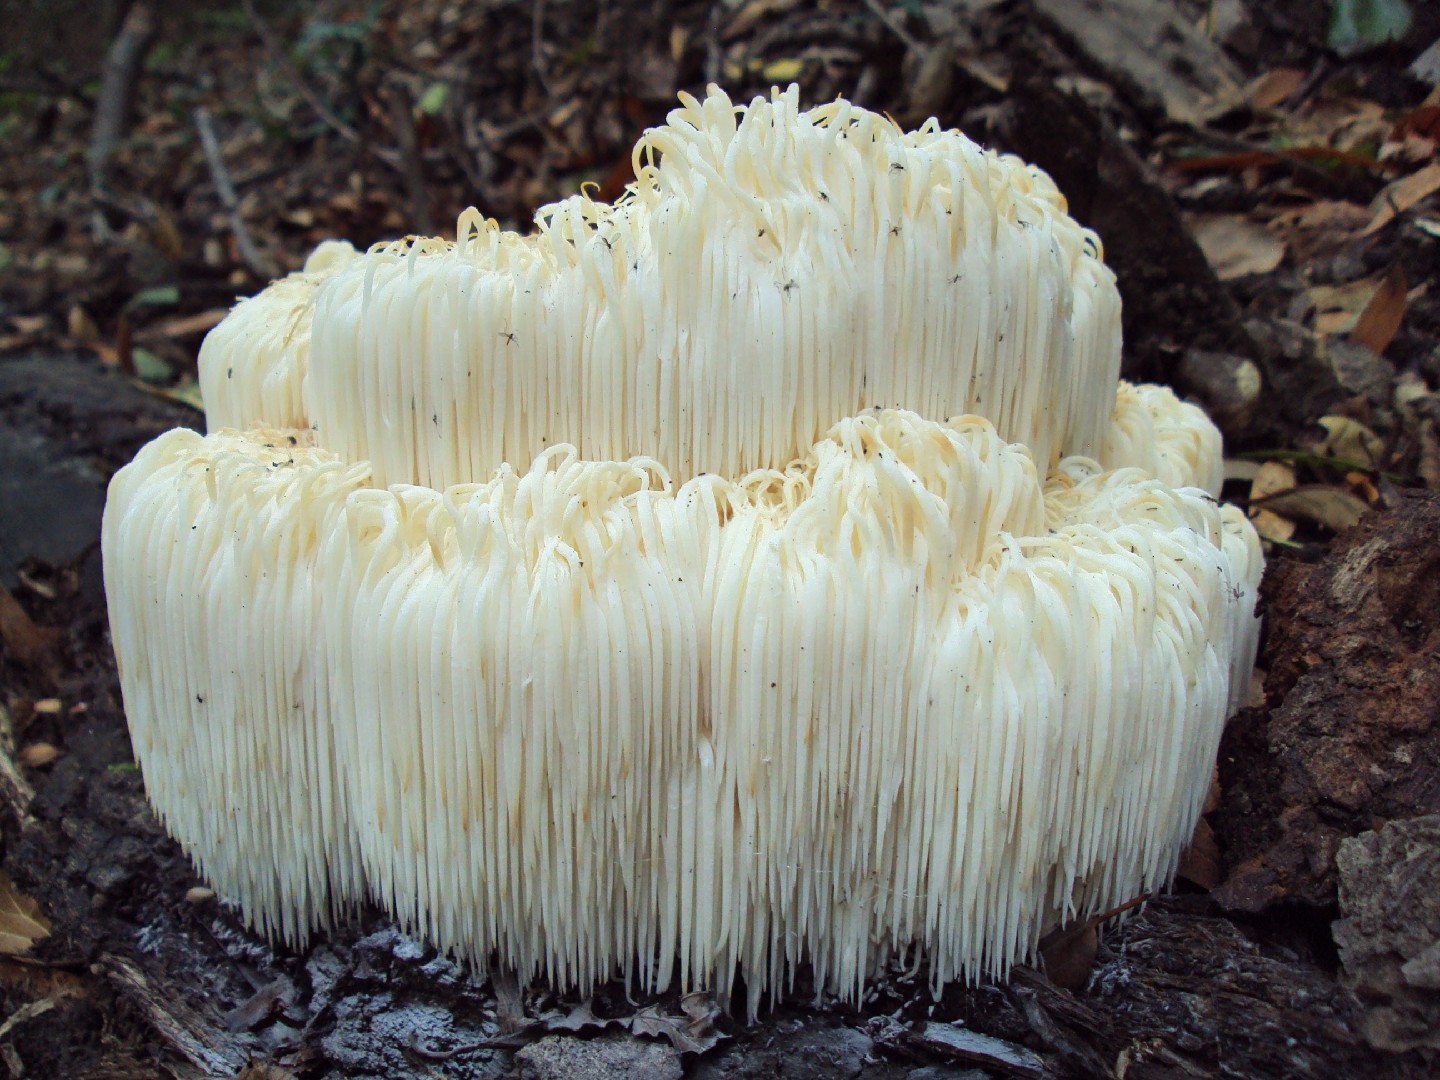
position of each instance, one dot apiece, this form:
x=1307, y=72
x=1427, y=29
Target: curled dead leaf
x=32, y=645
x=1201, y=863
x=1404, y=193
x=1350, y=440
x=1380, y=320
x=37, y=754
x=21, y=923
x=1236, y=246
x=1321, y=504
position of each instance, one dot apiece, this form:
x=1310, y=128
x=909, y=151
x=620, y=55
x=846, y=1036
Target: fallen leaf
x=32, y=645
x=1334, y=508
x=1319, y=228
x=80, y=326
x=1423, y=121
x=29, y=324
x=581, y=1018
x=21, y=923
x=996, y=1055
x=1350, y=440
x=1236, y=246
x=1378, y=323
x=183, y=325
x=38, y=754
x=1272, y=526
x=1069, y=951
x=1241, y=469
x=1201, y=864
x=186, y=392
x=35, y=979
x=782, y=71
x=1429, y=464
x=25, y=1012
x=1271, y=477
x=1362, y=487
x=693, y=1033
x=1398, y=197
x=1274, y=87
x=1337, y=308
x=1069, y=955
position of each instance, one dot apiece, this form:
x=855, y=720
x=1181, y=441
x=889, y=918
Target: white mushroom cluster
x=766, y=569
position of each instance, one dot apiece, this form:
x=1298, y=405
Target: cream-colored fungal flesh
x=1172, y=440
x=590, y=720
x=252, y=366
x=621, y=595
x=769, y=271
x=209, y=547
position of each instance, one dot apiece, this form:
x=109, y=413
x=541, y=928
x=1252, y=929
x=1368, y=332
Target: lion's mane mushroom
x=590, y=616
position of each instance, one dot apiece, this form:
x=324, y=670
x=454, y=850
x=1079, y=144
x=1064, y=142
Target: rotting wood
x=184, y=1030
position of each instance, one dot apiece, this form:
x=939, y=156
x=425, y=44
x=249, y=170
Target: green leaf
x=155, y=296
x=433, y=100
x=1359, y=24
x=186, y=393
x=150, y=367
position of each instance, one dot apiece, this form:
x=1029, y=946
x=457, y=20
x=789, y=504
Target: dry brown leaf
x=1334, y=508
x=1337, y=308
x=1319, y=228
x=38, y=754
x=37, y=980
x=1069, y=951
x=1350, y=440
x=1235, y=246
x=1362, y=487
x=1272, y=477
x=1201, y=864
x=21, y=923
x=1274, y=87
x=1241, y=469
x=80, y=326
x=1401, y=195
x=1069, y=955
x=31, y=645
x=1378, y=323
x=183, y=325
x=693, y=1033
x=1429, y=464
x=1272, y=526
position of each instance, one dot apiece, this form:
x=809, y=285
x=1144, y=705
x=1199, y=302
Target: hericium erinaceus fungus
x=768, y=568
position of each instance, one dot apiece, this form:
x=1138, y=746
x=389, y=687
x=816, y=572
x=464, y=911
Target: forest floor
x=1271, y=205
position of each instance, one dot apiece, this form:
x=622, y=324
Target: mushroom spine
x=767, y=568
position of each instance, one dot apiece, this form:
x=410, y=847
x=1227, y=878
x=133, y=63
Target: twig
x=117, y=90
x=14, y=788
x=199, y=1041
x=417, y=1045
x=713, y=57
x=403, y=121
x=340, y=127
x=258, y=264
x=537, y=42
x=26, y=1012
x=883, y=14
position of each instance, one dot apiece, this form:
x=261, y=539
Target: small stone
x=622, y=1057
